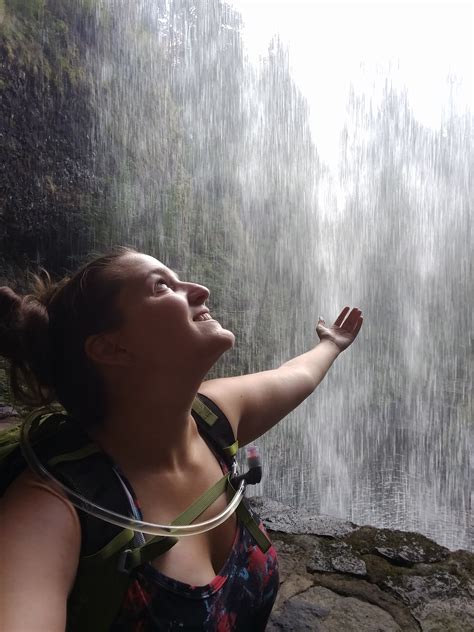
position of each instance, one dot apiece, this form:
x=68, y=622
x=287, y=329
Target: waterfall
x=281, y=237
x=211, y=167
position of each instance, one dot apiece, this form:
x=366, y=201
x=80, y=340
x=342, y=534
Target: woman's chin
x=220, y=340
x=229, y=337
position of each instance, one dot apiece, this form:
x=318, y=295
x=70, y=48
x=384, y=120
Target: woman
x=125, y=346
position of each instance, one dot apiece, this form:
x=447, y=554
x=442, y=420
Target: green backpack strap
x=217, y=428
x=103, y=579
x=105, y=574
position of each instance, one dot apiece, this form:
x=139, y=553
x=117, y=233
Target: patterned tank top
x=239, y=599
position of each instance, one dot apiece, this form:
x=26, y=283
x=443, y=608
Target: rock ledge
x=337, y=576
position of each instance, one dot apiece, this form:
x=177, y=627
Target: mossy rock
x=399, y=547
x=379, y=569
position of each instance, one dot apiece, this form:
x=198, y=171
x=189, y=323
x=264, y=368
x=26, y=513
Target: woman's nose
x=197, y=294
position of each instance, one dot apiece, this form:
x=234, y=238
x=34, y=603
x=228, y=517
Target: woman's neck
x=149, y=427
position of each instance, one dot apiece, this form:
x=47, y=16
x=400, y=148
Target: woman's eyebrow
x=162, y=271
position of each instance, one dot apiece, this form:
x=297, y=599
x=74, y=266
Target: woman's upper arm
x=254, y=403
x=40, y=541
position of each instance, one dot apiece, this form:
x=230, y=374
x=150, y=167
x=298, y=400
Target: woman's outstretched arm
x=256, y=402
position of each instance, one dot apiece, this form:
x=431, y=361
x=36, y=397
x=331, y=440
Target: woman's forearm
x=313, y=365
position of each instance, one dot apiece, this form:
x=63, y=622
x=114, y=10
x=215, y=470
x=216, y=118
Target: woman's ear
x=105, y=349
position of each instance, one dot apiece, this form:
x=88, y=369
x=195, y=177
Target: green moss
x=26, y=8
x=368, y=539
x=378, y=569
x=23, y=39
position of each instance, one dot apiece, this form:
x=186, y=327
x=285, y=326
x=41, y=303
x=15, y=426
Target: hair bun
x=8, y=300
x=24, y=341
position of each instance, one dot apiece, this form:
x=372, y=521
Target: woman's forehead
x=137, y=268
x=137, y=265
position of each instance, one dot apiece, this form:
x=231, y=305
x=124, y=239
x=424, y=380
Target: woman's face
x=166, y=323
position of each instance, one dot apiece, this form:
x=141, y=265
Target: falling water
x=212, y=168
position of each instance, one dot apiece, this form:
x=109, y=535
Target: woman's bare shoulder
x=34, y=514
x=40, y=540
x=33, y=496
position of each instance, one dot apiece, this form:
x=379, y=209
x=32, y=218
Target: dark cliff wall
x=48, y=182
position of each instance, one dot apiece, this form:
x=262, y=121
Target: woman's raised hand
x=344, y=331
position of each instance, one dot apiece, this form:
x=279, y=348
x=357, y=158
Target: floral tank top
x=239, y=599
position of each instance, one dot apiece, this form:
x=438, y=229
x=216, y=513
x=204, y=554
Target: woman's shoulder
x=35, y=505
x=39, y=547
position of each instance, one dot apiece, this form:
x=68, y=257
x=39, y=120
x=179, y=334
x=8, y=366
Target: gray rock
x=365, y=579
x=454, y=615
x=440, y=601
x=321, y=610
x=399, y=547
x=335, y=556
x=279, y=517
x=298, y=614
x=415, y=590
x=412, y=553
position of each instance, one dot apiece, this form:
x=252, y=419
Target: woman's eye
x=160, y=285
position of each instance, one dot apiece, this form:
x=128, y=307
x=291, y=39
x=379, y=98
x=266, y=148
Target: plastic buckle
x=235, y=469
x=123, y=561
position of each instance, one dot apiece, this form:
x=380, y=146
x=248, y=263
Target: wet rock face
x=335, y=556
x=332, y=614
x=285, y=519
x=398, y=547
x=298, y=614
x=340, y=577
x=48, y=191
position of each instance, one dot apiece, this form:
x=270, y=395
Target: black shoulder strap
x=217, y=428
x=68, y=452
x=94, y=478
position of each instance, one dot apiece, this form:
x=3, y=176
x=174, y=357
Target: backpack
x=109, y=553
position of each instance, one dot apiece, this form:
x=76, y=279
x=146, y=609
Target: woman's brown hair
x=43, y=336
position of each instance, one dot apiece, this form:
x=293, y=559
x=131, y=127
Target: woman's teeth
x=204, y=317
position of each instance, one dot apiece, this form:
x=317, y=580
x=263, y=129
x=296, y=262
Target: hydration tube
x=127, y=522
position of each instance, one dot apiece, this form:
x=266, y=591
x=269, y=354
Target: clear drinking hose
x=127, y=522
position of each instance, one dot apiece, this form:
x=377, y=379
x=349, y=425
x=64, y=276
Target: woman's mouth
x=203, y=316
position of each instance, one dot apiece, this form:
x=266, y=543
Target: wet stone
x=321, y=610
x=399, y=547
x=279, y=517
x=335, y=556
x=409, y=555
x=417, y=589
x=298, y=614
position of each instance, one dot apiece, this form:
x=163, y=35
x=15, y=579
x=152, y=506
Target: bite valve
x=254, y=473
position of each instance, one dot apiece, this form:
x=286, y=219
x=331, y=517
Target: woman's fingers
x=341, y=317
x=351, y=320
x=357, y=327
x=351, y=324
